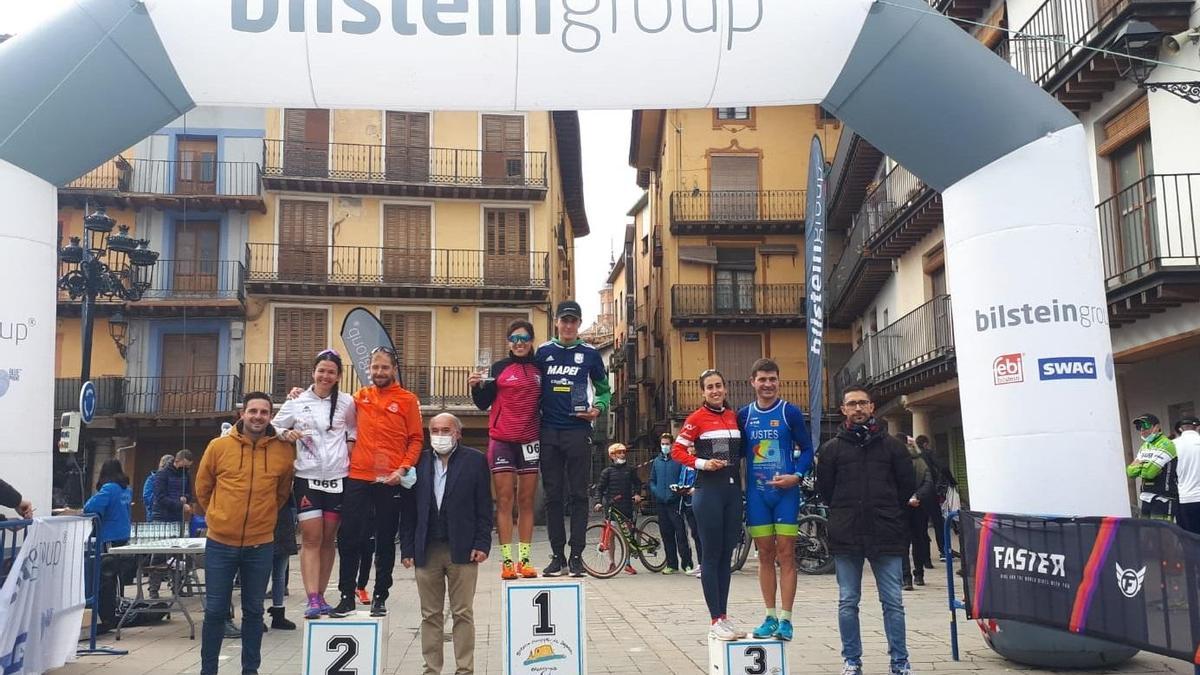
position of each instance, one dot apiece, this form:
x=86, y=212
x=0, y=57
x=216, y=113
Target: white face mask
x=618, y=461
x=441, y=444
x=666, y=449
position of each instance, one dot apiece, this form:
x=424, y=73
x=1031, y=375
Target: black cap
x=1189, y=422
x=568, y=308
x=1148, y=419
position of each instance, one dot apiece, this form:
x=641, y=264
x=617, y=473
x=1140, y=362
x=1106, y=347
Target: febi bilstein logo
x=1008, y=369
x=1067, y=368
x=1000, y=317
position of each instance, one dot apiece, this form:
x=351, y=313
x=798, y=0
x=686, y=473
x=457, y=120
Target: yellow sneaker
x=508, y=570
x=527, y=571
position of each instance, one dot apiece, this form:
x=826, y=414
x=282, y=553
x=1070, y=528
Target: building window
x=739, y=117
x=735, y=280
x=733, y=113
x=1132, y=209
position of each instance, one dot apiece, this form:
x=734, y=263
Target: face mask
x=666, y=449
x=618, y=461
x=441, y=444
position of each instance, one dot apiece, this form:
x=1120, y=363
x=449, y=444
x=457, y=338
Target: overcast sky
x=609, y=187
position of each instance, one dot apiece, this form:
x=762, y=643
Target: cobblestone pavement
x=648, y=623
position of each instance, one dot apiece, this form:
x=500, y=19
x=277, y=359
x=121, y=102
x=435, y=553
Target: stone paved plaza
x=646, y=623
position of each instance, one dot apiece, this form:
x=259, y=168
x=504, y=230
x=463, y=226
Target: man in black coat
x=866, y=477
x=446, y=538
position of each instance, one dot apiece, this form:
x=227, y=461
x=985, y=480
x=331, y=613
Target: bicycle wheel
x=605, y=552
x=742, y=550
x=648, y=543
x=812, y=546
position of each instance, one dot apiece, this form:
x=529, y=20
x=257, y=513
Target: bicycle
x=812, y=538
x=609, y=545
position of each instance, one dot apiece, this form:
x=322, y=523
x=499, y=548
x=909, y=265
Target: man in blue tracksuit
x=664, y=487
x=575, y=392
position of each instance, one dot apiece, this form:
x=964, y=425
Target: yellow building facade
x=718, y=252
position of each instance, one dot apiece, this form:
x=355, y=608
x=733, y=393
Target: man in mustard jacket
x=242, y=481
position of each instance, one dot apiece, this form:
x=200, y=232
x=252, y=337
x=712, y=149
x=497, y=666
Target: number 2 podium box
x=746, y=657
x=544, y=628
x=356, y=644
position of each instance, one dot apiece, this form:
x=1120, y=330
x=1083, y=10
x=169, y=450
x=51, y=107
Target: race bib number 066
x=333, y=486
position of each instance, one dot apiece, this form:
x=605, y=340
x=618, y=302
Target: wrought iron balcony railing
x=687, y=397
x=403, y=164
x=196, y=178
x=728, y=300
x=182, y=395
x=110, y=397
x=376, y=265
x=922, y=335
x=1151, y=226
x=435, y=386
x=738, y=206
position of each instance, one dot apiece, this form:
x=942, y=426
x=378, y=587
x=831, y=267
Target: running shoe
x=363, y=597
x=784, y=632
x=721, y=631
x=629, y=569
x=767, y=629
x=313, y=611
x=508, y=570
x=526, y=570
x=669, y=570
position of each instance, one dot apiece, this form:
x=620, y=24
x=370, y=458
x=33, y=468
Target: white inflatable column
x=28, y=265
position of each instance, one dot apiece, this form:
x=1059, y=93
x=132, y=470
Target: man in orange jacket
x=242, y=481
x=388, y=445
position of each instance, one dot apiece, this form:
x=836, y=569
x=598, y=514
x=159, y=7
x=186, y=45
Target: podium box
x=355, y=645
x=544, y=628
x=747, y=657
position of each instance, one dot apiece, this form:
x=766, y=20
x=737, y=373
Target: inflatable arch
x=1010, y=161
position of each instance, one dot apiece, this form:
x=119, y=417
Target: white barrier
x=544, y=628
x=356, y=644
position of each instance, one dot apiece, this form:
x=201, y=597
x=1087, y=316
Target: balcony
x=399, y=171
x=857, y=276
x=971, y=10
x=206, y=396
x=686, y=396
x=202, y=288
x=914, y=352
x=110, y=398
x=899, y=212
x=738, y=212
x=1150, y=235
x=168, y=184
x=374, y=271
x=1057, y=46
x=437, y=387
x=728, y=305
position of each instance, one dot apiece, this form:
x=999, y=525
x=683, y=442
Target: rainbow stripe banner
x=1125, y=580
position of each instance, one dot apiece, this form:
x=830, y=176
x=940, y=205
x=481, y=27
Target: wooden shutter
x=493, y=332
x=1127, y=125
x=196, y=168
x=189, y=373
x=412, y=334
x=506, y=247
x=407, y=155
x=504, y=149
x=306, y=142
x=195, y=267
x=300, y=334
x=303, y=240
x=735, y=354
x=734, y=183
x=406, y=238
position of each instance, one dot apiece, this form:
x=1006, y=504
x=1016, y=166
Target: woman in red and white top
x=513, y=391
x=711, y=443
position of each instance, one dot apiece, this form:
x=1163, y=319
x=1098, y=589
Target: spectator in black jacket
x=619, y=487
x=12, y=499
x=918, y=518
x=173, y=490
x=943, y=479
x=866, y=477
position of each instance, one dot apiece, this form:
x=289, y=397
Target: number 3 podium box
x=356, y=644
x=746, y=657
x=544, y=629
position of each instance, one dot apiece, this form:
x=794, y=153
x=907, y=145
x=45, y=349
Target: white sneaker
x=697, y=572
x=851, y=669
x=738, y=634
x=721, y=631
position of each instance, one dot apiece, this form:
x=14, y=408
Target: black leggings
x=717, y=504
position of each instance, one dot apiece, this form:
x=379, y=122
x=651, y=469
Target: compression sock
x=770, y=612
x=523, y=548
x=506, y=552
x=785, y=615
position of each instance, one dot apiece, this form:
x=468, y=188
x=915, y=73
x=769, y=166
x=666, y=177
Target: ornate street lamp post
x=112, y=266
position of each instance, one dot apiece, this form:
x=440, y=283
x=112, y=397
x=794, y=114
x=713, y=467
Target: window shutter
x=300, y=334
x=493, y=332
x=412, y=335
x=1126, y=126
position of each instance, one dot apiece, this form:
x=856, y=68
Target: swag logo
x=1130, y=581
x=1067, y=368
x=1008, y=369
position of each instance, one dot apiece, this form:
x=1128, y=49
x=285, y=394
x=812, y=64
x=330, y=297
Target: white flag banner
x=41, y=602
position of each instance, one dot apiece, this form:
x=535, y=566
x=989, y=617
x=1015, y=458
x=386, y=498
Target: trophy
x=579, y=397
x=483, y=365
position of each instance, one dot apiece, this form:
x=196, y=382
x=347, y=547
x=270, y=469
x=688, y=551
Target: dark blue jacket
x=112, y=504
x=664, y=472
x=467, y=503
x=169, y=485
x=566, y=368
x=148, y=495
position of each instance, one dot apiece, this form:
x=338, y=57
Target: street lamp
x=103, y=264
x=1136, y=48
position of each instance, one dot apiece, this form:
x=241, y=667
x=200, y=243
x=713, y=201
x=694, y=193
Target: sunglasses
x=328, y=352
x=1142, y=425
x=386, y=350
x=518, y=338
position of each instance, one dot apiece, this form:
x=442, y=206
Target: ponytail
x=333, y=401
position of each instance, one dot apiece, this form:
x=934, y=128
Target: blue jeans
x=221, y=564
x=279, y=578
x=887, y=570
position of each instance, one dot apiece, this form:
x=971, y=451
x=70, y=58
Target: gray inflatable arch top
x=1010, y=161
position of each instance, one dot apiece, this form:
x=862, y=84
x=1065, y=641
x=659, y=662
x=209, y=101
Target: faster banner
x=1124, y=580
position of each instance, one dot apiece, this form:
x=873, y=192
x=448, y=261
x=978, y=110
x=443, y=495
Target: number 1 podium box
x=544, y=628
x=355, y=644
x=746, y=657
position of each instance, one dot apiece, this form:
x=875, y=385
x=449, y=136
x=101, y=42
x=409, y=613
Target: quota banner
x=1120, y=579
